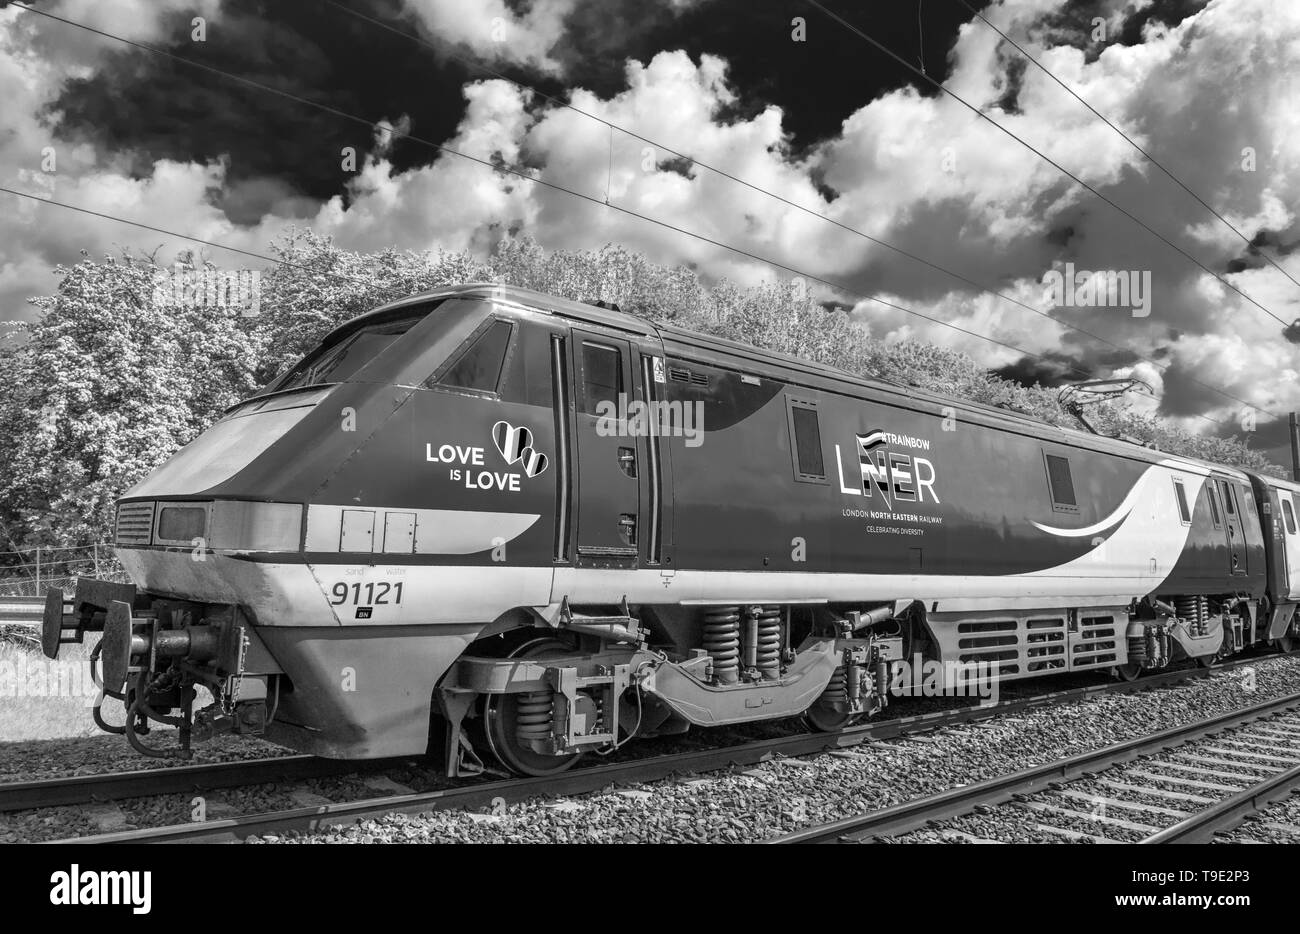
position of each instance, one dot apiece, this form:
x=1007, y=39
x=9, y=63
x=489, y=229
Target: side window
x=1061, y=483
x=1289, y=515
x=479, y=365
x=1213, y=496
x=602, y=375
x=1227, y=498
x=806, y=442
x=1180, y=494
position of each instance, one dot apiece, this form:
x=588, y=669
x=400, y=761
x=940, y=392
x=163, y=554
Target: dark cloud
x=1049, y=369
x=1074, y=24
x=1012, y=79
x=143, y=107
x=152, y=107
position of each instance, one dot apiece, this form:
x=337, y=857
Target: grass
x=42, y=699
x=49, y=703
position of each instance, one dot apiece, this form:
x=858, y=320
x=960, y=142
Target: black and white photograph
x=608, y=422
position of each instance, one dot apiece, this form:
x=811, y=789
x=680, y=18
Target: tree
x=110, y=383
x=112, y=380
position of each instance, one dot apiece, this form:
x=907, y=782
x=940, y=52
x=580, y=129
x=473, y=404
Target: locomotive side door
x=607, y=484
x=1237, y=560
x=1290, y=540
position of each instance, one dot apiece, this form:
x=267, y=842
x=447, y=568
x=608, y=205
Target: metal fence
x=29, y=573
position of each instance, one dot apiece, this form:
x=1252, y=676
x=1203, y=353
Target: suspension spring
x=766, y=621
x=837, y=690
x=1194, y=611
x=534, y=715
x=722, y=642
x=1137, y=650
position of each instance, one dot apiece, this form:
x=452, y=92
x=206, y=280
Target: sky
x=842, y=148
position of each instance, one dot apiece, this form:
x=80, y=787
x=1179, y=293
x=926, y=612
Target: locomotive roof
x=529, y=297
x=728, y=351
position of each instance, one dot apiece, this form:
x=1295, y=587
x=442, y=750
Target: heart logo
x=534, y=462
x=511, y=441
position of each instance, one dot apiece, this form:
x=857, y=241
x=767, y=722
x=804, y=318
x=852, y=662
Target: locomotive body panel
x=481, y=471
x=902, y=491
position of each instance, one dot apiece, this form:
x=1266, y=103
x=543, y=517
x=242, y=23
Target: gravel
x=740, y=805
x=1277, y=824
x=34, y=760
x=750, y=804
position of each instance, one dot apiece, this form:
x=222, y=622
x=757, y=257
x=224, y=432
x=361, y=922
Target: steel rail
x=1227, y=813
x=584, y=780
x=115, y=786
x=918, y=813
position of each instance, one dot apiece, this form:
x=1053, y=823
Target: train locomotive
x=506, y=529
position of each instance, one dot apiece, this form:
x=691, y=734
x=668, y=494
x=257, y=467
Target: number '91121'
x=376, y=593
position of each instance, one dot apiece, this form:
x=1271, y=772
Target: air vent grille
x=134, y=523
x=682, y=375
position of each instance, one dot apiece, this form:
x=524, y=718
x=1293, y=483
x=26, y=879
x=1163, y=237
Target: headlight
x=239, y=526
x=220, y=525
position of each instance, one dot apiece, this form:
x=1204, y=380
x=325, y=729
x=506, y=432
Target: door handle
x=627, y=528
x=627, y=461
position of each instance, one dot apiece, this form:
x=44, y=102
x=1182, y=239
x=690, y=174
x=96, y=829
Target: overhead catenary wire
x=377, y=127
x=1046, y=158
x=183, y=236
x=791, y=269
x=446, y=48
x=1150, y=158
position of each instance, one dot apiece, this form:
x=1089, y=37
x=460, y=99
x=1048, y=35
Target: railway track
x=118, y=786
x=1215, y=787
x=479, y=793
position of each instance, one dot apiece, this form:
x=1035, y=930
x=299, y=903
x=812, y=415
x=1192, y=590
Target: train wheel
x=827, y=720
x=1285, y=644
x=1209, y=661
x=822, y=715
x=502, y=715
x=1128, y=672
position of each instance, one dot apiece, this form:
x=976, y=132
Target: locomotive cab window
x=1061, y=483
x=1289, y=516
x=1180, y=494
x=806, y=442
x=478, y=366
x=1213, y=498
x=340, y=360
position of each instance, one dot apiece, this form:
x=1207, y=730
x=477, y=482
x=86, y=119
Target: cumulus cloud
x=36, y=57
x=534, y=34
x=1208, y=97
x=926, y=173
